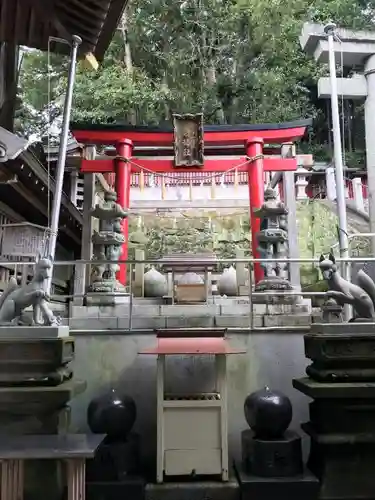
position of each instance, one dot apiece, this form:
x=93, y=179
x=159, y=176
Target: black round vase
x=268, y=413
x=112, y=414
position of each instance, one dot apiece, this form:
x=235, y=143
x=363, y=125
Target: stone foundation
x=150, y=314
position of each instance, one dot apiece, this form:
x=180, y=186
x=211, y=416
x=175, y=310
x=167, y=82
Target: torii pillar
x=254, y=149
x=357, y=48
x=124, y=149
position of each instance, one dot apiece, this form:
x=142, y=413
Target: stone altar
x=107, y=243
x=184, y=263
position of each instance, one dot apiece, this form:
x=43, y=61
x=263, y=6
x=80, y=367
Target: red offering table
x=192, y=429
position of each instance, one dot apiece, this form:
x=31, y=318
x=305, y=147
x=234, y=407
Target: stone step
x=197, y=490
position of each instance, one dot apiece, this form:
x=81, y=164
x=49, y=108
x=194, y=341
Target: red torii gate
x=126, y=139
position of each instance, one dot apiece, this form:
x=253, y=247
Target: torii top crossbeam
x=127, y=139
x=271, y=133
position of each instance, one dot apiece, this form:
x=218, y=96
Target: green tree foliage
x=235, y=60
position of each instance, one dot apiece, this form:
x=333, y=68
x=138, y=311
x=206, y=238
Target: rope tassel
x=141, y=180
x=236, y=179
x=213, y=188
x=163, y=188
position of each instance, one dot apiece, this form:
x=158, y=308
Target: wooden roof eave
x=30, y=23
x=39, y=171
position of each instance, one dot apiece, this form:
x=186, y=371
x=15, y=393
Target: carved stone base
x=269, y=286
x=35, y=361
x=109, y=299
x=341, y=356
x=109, y=293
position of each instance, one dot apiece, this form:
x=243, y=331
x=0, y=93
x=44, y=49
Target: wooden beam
x=40, y=206
x=40, y=172
x=162, y=165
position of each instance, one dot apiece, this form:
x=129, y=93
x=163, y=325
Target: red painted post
x=254, y=147
x=124, y=148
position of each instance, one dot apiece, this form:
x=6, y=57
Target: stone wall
x=112, y=360
x=223, y=230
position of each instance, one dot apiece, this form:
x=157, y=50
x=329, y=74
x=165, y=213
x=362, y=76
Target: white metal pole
x=60, y=168
x=329, y=29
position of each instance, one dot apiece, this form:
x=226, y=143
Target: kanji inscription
x=188, y=140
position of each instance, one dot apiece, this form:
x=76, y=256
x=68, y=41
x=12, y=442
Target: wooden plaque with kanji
x=188, y=140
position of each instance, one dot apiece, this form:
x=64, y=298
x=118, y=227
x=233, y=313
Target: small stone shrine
x=107, y=243
x=115, y=472
x=272, y=464
x=272, y=239
x=341, y=382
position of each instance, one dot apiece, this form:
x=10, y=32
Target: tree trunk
x=165, y=90
x=128, y=58
x=210, y=73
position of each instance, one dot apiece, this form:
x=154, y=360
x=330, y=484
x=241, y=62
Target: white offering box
x=192, y=430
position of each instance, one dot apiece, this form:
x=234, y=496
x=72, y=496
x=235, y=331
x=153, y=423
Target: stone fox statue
x=17, y=298
x=361, y=296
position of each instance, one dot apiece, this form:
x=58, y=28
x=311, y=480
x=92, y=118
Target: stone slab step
x=197, y=490
x=34, y=332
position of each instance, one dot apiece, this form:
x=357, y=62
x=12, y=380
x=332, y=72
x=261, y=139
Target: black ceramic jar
x=113, y=414
x=268, y=413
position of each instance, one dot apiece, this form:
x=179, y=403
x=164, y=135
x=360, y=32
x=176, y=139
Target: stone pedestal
x=114, y=472
x=107, y=298
x=35, y=389
x=281, y=457
x=270, y=286
x=302, y=487
x=340, y=357
x=342, y=425
x=32, y=362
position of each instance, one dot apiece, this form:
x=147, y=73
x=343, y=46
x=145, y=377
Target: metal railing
x=209, y=263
